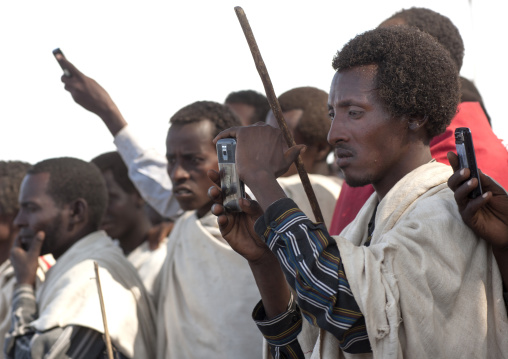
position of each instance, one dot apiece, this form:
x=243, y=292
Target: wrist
x=265, y=188
x=113, y=119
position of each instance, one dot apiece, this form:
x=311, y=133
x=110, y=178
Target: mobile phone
x=232, y=188
x=467, y=158
x=65, y=70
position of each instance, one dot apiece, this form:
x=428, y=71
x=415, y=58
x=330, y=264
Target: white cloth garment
x=69, y=296
x=7, y=283
x=326, y=188
x=427, y=286
x=207, y=294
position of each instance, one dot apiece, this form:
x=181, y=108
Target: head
x=306, y=113
x=63, y=197
x=250, y=106
x=435, y=24
x=394, y=90
x=11, y=175
x=191, y=153
x=126, y=209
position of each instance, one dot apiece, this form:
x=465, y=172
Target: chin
x=357, y=181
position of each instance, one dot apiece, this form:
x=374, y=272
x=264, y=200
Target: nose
x=337, y=132
x=19, y=220
x=177, y=172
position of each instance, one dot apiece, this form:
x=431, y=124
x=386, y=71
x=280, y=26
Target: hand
x=237, y=228
x=260, y=148
x=486, y=215
x=158, y=233
x=90, y=95
x=26, y=262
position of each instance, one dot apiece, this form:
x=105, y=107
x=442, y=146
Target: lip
x=344, y=157
x=182, y=192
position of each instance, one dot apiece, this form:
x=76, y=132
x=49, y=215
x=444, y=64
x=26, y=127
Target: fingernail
x=470, y=182
x=462, y=172
x=485, y=195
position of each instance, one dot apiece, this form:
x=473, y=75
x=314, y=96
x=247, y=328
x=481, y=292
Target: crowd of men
x=405, y=263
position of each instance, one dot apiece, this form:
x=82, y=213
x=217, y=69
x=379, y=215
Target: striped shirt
x=313, y=267
x=71, y=342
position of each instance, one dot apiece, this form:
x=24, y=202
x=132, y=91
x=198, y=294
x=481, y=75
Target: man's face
x=39, y=212
x=123, y=209
x=369, y=144
x=191, y=153
x=243, y=111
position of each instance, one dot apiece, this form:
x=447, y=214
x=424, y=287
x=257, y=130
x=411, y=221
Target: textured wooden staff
x=277, y=111
x=103, y=310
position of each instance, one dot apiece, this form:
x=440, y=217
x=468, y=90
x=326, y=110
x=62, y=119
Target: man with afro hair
x=250, y=106
x=490, y=152
x=407, y=278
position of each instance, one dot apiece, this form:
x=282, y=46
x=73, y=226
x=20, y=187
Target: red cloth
x=491, y=158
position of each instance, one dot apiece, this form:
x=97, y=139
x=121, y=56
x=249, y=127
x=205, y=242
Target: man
x=250, y=106
x=490, y=152
x=62, y=202
x=11, y=175
x=407, y=278
x=126, y=219
x=206, y=290
x=306, y=113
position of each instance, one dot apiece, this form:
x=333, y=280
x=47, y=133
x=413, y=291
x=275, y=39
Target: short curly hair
x=415, y=75
x=315, y=122
x=11, y=175
x=251, y=98
x=112, y=161
x=439, y=26
x=220, y=115
x=72, y=178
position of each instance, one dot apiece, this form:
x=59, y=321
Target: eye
x=331, y=114
x=171, y=160
x=355, y=114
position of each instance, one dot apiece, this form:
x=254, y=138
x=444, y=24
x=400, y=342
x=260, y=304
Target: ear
x=416, y=123
x=78, y=212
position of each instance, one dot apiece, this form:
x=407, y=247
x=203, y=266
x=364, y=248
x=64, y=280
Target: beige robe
x=428, y=287
x=207, y=296
x=69, y=296
x=326, y=188
x=148, y=263
x=7, y=283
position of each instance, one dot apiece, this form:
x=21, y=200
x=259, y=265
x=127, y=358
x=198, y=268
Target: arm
x=147, y=168
x=487, y=215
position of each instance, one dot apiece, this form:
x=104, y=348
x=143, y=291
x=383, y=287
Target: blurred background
x=155, y=57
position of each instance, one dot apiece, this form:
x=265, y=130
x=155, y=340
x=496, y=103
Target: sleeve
x=281, y=332
x=147, y=170
x=25, y=342
x=313, y=266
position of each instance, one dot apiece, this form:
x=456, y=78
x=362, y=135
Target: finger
x=229, y=133
x=454, y=161
x=214, y=176
x=218, y=209
x=458, y=178
x=474, y=205
x=250, y=207
x=292, y=154
x=67, y=64
x=462, y=192
x=215, y=194
x=36, y=245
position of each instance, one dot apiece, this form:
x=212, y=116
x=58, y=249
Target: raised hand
x=26, y=261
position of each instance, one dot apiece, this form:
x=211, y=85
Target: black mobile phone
x=232, y=188
x=65, y=71
x=467, y=158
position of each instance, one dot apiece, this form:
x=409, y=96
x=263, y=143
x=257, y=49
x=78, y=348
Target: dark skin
x=486, y=215
x=357, y=119
x=44, y=226
x=7, y=235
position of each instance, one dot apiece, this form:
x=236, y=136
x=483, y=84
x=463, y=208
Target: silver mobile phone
x=467, y=157
x=232, y=188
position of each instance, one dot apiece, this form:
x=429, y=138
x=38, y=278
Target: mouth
x=182, y=192
x=344, y=157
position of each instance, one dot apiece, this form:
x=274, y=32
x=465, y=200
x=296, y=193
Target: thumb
x=36, y=245
x=292, y=153
x=67, y=64
x=250, y=207
x=454, y=160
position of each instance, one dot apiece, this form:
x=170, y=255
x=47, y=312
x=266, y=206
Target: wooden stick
x=277, y=111
x=103, y=310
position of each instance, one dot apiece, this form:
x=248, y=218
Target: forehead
x=191, y=137
x=292, y=118
x=355, y=84
x=111, y=183
x=33, y=187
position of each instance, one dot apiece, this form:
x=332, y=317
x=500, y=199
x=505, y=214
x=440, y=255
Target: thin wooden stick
x=103, y=310
x=277, y=111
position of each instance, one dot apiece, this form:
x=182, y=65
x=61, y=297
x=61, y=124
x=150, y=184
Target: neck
x=136, y=236
x=415, y=158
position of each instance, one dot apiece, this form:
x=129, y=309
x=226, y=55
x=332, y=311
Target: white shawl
x=326, y=188
x=207, y=296
x=428, y=287
x=69, y=296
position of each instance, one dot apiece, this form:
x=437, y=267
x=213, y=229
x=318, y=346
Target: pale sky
x=155, y=57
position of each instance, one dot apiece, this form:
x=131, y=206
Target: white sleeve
x=147, y=170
